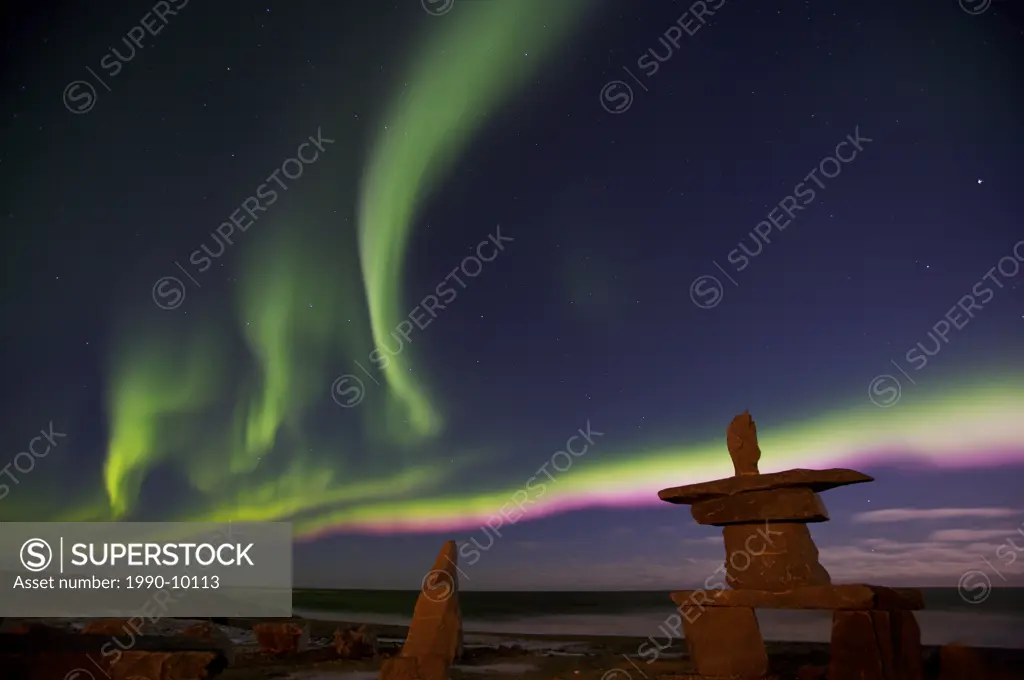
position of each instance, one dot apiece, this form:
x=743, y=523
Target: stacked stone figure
x=772, y=563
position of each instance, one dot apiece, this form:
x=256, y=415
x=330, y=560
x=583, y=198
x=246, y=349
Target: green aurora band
x=480, y=55
x=966, y=424
x=167, y=392
x=239, y=439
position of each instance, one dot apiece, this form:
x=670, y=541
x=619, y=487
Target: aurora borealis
x=488, y=117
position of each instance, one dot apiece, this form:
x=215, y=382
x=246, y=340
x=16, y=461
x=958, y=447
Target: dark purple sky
x=592, y=315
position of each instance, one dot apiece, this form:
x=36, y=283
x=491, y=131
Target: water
x=996, y=622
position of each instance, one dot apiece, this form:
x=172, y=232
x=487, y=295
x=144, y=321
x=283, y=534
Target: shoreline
x=989, y=630
x=503, y=656
x=544, y=656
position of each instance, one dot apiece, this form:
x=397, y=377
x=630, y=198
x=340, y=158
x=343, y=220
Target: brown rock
x=741, y=438
x=959, y=662
x=212, y=633
x=429, y=667
x=811, y=673
x=355, y=643
x=148, y=665
x=189, y=666
x=775, y=505
x=854, y=652
x=115, y=627
x=164, y=666
x=772, y=557
x=282, y=638
x=845, y=596
x=815, y=480
x=689, y=676
x=54, y=654
x=909, y=661
x=726, y=642
x=436, y=627
x=55, y=665
x=15, y=626
x=875, y=645
x=400, y=668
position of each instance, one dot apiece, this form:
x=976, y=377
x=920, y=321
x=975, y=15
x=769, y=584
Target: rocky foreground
x=302, y=649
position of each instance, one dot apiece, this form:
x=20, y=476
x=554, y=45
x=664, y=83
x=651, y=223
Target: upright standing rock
x=435, y=633
x=741, y=438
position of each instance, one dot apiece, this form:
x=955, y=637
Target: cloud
x=718, y=540
x=913, y=514
x=939, y=558
x=969, y=535
x=922, y=564
x=875, y=561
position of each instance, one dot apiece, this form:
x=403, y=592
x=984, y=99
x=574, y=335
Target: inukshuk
x=772, y=563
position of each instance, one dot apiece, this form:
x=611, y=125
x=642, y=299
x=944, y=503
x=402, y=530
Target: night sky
x=454, y=236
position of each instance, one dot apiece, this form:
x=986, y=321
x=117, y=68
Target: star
x=979, y=181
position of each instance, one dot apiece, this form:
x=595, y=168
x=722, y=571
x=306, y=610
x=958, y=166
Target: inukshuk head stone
x=741, y=438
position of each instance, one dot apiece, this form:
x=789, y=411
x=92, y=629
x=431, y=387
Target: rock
x=116, y=627
x=16, y=626
x=875, y=645
x=845, y=596
x=741, y=438
x=959, y=662
x=400, y=668
x=689, y=676
x=428, y=667
x=212, y=633
x=854, y=650
x=355, y=643
x=436, y=627
x=774, y=505
x=726, y=642
x=772, y=557
x=282, y=638
x=811, y=673
x=164, y=666
x=55, y=665
x=53, y=654
x=815, y=480
x=909, y=660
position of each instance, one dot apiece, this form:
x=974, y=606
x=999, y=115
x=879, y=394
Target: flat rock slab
x=797, y=504
x=815, y=480
x=853, y=596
